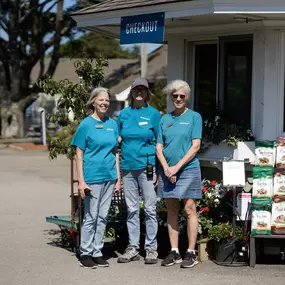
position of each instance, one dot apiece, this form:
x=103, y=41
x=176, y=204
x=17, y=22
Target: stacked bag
x=268, y=197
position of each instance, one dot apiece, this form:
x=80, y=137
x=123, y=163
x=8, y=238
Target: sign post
x=148, y=28
x=233, y=177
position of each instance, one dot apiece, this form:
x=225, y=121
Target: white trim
x=234, y=28
x=280, y=111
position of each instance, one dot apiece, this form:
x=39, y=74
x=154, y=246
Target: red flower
x=214, y=182
x=204, y=190
x=204, y=210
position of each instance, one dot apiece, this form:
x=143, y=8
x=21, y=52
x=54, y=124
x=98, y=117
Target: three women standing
x=176, y=139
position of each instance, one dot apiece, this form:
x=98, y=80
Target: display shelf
x=252, y=247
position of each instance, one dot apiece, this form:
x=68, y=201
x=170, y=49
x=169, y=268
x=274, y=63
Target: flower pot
x=224, y=251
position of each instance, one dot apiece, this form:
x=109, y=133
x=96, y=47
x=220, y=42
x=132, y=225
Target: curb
x=15, y=147
x=2, y=146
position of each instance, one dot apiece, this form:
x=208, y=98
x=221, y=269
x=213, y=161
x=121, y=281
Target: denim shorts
x=188, y=185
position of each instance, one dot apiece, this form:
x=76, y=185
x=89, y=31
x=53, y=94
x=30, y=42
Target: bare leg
x=192, y=222
x=172, y=206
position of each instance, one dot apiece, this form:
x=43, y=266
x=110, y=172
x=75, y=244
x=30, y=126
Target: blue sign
x=138, y=29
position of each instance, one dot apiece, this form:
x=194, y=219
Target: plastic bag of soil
x=261, y=220
x=262, y=189
x=265, y=153
x=280, y=152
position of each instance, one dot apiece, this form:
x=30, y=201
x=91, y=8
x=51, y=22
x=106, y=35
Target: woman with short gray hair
x=97, y=164
x=178, y=143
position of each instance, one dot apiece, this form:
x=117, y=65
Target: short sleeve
x=155, y=122
x=79, y=139
x=119, y=124
x=160, y=133
x=116, y=131
x=197, y=128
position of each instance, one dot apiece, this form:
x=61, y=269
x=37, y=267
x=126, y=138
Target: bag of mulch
x=279, y=182
x=261, y=220
x=265, y=153
x=278, y=216
x=280, y=152
x=262, y=189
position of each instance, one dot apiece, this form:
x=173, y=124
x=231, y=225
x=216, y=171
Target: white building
x=231, y=52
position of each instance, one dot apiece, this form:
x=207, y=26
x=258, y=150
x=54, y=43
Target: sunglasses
x=175, y=96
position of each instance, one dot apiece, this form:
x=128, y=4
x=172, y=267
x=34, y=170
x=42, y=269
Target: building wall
x=267, y=74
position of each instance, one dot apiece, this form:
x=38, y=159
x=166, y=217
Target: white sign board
x=233, y=173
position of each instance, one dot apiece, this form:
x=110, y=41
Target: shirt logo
x=145, y=118
x=110, y=130
x=143, y=123
x=184, y=123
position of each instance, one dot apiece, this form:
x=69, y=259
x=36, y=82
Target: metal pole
x=143, y=60
x=72, y=194
x=44, y=139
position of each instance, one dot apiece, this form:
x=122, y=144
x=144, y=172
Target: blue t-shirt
x=139, y=130
x=176, y=135
x=97, y=139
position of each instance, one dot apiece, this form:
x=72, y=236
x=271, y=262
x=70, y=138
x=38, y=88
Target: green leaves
x=72, y=101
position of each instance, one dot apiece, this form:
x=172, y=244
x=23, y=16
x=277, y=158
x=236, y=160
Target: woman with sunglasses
x=138, y=128
x=178, y=143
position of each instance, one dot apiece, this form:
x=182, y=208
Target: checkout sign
x=147, y=28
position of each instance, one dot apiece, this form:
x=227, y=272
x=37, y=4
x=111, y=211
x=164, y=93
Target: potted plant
x=224, y=244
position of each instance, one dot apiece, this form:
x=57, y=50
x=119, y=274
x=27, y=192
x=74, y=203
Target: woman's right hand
x=81, y=188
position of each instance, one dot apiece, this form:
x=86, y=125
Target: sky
x=150, y=47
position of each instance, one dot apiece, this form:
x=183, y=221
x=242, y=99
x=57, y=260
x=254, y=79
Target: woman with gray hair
x=178, y=142
x=97, y=164
x=138, y=128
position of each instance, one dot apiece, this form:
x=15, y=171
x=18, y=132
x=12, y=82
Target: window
x=205, y=78
x=223, y=79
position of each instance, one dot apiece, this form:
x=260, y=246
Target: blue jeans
x=133, y=181
x=96, y=209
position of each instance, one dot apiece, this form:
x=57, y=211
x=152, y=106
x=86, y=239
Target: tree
x=28, y=29
x=92, y=45
x=73, y=97
x=159, y=101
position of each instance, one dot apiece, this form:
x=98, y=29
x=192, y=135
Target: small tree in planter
x=73, y=98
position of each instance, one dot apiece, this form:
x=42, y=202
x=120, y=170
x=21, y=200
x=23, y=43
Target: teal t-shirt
x=97, y=139
x=176, y=135
x=139, y=130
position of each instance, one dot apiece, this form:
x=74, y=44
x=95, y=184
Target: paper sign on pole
x=233, y=173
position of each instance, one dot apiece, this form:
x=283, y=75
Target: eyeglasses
x=175, y=96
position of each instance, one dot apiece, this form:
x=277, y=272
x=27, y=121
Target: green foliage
x=92, y=45
x=158, y=101
x=224, y=231
x=73, y=97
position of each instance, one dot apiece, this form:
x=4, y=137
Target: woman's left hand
x=173, y=171
x=118, y=187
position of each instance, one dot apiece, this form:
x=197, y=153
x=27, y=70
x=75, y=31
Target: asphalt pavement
x=32, y=187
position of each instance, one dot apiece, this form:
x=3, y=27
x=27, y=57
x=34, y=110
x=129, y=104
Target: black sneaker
x=190, y=260
x=172, y=258
x=101, y=262
x=86, y=261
